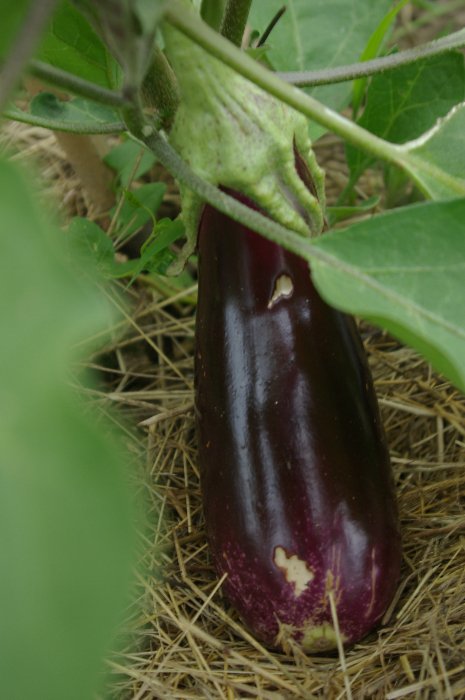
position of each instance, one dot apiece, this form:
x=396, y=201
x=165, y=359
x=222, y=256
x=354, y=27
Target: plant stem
x=271, y=25
x=56, y=125
x=24, y=45
x=75, y=85
x=212, y=12
x=222, y=49
x=235, y=19
x=217, y=46
x=376, y=65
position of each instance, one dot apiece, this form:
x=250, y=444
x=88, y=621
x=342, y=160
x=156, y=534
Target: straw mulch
x=184, y=640
x=190, y=644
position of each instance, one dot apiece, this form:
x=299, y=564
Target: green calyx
x=235, y=135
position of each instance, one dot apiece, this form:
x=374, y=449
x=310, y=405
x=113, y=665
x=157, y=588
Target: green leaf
x=156, y=256
x=403, y=103
x=313, y=35
x=124, y=157
x=128, y=28
x=139, y=207
x=437, y=159
x=66, y=515
x=372, y=50
x=80, y=114
x=212, y=12
x=339, y=213
x=72, y=45
x=405, y=271
x=88, y=241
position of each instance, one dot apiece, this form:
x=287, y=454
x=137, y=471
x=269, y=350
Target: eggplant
x=298, y=494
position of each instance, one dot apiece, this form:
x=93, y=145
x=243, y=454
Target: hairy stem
x=235, y=19
x=216, y=45
x=376, y=65
x=77, y=86
x=24, y=45
x=56, y=125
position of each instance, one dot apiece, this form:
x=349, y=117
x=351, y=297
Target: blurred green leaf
x=404, y=103
x=66, y=513
x=405, y=271
x=128, y=28
x=139, y=207
x=88, y=241
x=73, y=45
x=123, y=159
x=313, y=35
x=77, y=111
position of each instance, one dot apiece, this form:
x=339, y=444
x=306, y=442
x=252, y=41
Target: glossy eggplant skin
x=297, y=487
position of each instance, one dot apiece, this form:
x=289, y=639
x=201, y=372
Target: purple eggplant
x=298, y=494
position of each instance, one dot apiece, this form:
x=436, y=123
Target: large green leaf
x=319, y=34
x=404, y=103
x=72, y=45
x=437, y=159
x=404, y=270
x=66, y=516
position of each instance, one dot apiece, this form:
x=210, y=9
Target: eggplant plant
x=299, y=499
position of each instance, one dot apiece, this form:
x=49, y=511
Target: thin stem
x=271, y=26
x=24, y=45
x=75, y=85
x=235, y=19
x=57, y=125
x=376, y=65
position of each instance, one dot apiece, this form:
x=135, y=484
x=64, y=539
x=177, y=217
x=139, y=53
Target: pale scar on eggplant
x=283, y=289
x=320, y=638
x=294, y=569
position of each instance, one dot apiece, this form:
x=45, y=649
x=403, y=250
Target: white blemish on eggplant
x=296, y=571
x=320, y=638
x=283, y=289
